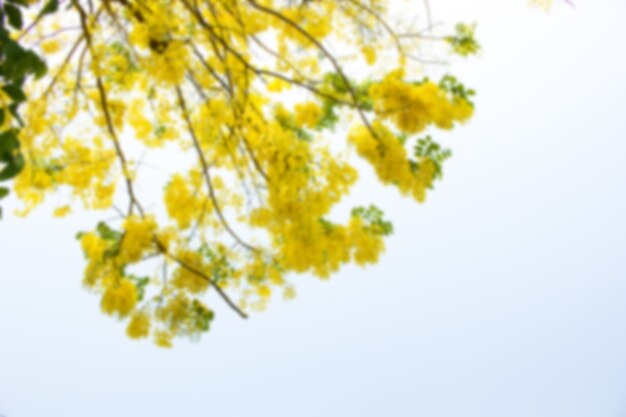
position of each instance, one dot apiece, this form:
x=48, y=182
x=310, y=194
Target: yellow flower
x=386, y=153
x=163, y=339
x=93, y=246
x=183, y=278
x=367, y=246
x=277, y=176
x=369, y=53
x=183, y=204
x=289, y=293
x=62, y=211
x=277, y=85
x=138, y=238
x=119, y=298
x=264, y=291
x=308, y=114
x=413, y=107
x=139, y=326
x=50, y=46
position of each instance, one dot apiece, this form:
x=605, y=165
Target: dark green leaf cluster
x=10, y=156
x=16, y=65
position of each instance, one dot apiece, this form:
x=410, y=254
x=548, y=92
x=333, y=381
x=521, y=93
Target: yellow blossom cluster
x=308, y=114
x=83, y=166
x=414, y=106
x=184, y=201
x=387, y=154
x=119, y=298
x=240, y=99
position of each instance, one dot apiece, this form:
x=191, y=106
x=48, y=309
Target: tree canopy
x=265, y=106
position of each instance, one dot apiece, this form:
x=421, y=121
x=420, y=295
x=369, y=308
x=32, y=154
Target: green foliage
x=141, y=283
x=349, y=91
x=11, y=160
x=453, y=86
x=107, y=233
x=464, y=42
x=9, y=155
x=201, y=316
x=220, y=268
x=16, y=65
x=14, y=15
x=290, y=124
x=329, y=117
x=50, y=7
x=426, y=148
x=374, y=218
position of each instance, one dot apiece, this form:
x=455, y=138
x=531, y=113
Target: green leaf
x=107, y=233
x=14, y=166
x=16, y=115
x=464, y=42
x=4, y=35
x=15, y=91
x=10, y=67
x=18, y=62
x=14, y=16
x=373, y=216
x=3, y=192
x=8, y=142
x=201, y=315
x=23, y=3
x=329, y=117
x=141, y=283
x=427, y=149
x=35, y=64
x=50, y=7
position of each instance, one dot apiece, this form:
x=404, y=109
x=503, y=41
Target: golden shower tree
x=263, y=107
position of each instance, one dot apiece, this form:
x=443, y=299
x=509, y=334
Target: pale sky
x=502, y=296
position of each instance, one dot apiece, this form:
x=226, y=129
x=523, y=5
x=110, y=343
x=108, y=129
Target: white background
x=503, y=296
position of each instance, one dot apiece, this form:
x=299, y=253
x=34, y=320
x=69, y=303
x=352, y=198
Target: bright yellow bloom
x=62, y=211
x=369, y=53
x=119, y=298
x=163, y=339
x=138, y=238
x=186, y=279
x=183, y=204
x=139, y=326
x=51, y=46
x=265, y=291
x=308, y=114
x=413, y=107
x=93, y=246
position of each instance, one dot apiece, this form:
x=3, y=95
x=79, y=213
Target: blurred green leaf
x=14, y=16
